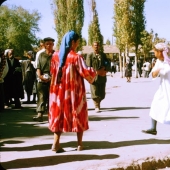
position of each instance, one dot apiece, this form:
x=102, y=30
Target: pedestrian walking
x=97, y=60
x=67, y=102
x=29, y=75
x=113, y=67
x=146, y=68
x=139, y=67
x=128, y=71
x=44, y=78
x=160, y=107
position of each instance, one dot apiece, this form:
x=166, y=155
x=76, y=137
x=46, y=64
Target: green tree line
x=18, y=28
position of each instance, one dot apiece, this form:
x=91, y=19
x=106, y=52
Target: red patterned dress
x=67, y=101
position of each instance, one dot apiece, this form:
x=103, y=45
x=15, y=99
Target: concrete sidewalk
x=114, y=140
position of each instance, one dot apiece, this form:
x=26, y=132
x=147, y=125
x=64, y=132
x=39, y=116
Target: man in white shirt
x=42, y=49
x=147, y=68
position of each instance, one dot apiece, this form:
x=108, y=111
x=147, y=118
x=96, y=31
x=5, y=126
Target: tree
x=108, y=42
x=146, y=41
x=129, y=22
x=18, y=29
x=69, y=15
x=84, y=42
x=94, y=33
x=138, y=24
x=156, y=39
x=122, y=29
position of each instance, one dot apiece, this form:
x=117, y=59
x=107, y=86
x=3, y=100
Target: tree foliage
x=138, y=21
x=108, y=42
x=84, y=42
x=94, y=33
x=129, y=23
x=147, y=42
x=18, y=29
x=69, y=15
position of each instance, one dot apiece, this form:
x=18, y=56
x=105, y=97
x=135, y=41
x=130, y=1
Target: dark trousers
x=16, y=101
x=1, y=97
x=98, y=91
x=43, y=96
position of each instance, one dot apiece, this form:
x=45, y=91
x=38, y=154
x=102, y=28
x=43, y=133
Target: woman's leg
x=56, y=142
x=79, y=141
x=79, y=138
x=57, y=139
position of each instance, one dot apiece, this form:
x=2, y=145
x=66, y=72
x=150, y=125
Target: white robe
x=160, y=107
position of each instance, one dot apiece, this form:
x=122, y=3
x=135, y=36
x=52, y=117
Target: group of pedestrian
x=60, y=85
x=17, y=76
x=13, y=87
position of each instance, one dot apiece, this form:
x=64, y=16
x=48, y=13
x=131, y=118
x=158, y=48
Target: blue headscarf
x=64, y=50
x=65, y=46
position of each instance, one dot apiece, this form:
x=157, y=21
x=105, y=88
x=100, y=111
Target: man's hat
x=48, y=39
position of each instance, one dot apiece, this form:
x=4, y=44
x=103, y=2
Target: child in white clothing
x=160, y=107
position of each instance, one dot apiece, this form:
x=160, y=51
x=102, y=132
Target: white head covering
x=6, y=51
x=165, y=50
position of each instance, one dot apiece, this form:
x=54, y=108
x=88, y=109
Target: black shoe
x=38, y=119
x=150, y=131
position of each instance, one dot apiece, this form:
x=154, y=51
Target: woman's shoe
x=79, y=148
x=150, y=131
x=97, y=110
x=57, y=149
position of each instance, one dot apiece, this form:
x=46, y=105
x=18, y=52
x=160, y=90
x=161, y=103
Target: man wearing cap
x=43, y=74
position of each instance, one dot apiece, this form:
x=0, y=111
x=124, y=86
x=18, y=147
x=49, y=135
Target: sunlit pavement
x=114, y=138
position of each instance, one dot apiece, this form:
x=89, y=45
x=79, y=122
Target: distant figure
x=128, y=71
x=160, y=107
x=139, y=67
x=147, y=68
x=28, y=73
x=113, y=67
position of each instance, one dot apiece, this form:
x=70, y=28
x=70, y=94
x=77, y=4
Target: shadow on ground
x=19, y=123
x=60, y=158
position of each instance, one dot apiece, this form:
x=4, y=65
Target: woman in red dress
x=67, y=101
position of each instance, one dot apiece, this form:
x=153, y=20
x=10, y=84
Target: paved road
x=113, y=140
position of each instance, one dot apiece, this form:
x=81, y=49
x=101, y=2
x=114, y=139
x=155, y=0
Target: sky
x=157, y=15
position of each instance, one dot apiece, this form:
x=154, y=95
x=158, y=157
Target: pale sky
x=157, y=16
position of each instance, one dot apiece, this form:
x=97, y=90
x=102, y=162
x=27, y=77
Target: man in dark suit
x=13, y=81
